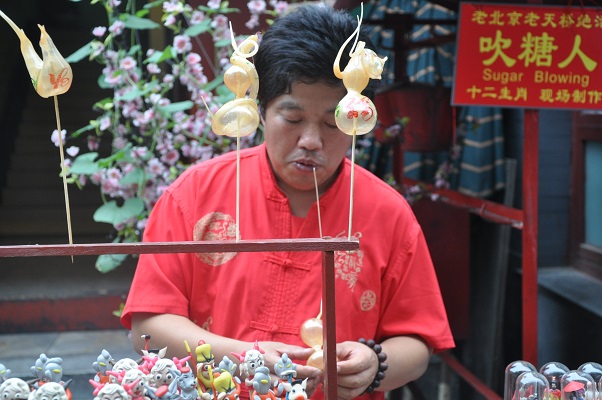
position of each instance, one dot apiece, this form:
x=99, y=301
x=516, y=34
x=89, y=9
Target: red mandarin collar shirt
x=385, y=289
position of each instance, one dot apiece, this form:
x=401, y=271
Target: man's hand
x=356, y=368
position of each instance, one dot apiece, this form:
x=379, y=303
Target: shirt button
x=274, y=328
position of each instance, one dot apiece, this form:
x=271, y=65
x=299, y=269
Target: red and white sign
x=513, y=55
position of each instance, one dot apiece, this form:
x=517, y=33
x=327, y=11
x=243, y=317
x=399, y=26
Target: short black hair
x=301, y=47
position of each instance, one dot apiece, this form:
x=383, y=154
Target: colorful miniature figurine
x=13, y=389
x=204, y=367
x=187, y=384
x=4, y=373
x=137, y=381
x=262, y=385
x=225, y=383
x=112, y=391
x=52, y=390
x=121, y=365
x=162, y=373
x=47, y=370
x=297, y=390
x=286, y=370
x=250, y=360
x=102, y=364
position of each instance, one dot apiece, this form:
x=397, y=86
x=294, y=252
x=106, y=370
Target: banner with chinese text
x=513, y=55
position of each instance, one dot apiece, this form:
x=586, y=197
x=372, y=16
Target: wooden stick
x=237, y=188
x=63, y=171
x=352, y=183
x=318, y=202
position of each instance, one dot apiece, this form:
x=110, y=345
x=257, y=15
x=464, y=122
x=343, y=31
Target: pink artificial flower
x=105, y=123
x=72, y=151
x=127, y=63
x=214, y=4
x=170, y=157
x=99, y=31
x=197, y=17
x=173, y=6
x=117, y=28
x=156, y=167
x=220, y=21
x=114, y=3
x=253, y=22
x=141, y=224
x=280, y=7
x=93, y=143
x=170, y=20
x=193, y=59
x=256, y=6
x=168, y=78
x=182, y=44
x=119, y=143
x=55, y=137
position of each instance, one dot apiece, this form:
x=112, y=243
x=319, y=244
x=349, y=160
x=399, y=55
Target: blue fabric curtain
x=475, y=165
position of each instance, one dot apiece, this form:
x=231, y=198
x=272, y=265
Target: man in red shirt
x=386, y=291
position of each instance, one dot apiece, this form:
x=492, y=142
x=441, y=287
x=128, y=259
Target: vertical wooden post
x=329, y=325
x=530, y=232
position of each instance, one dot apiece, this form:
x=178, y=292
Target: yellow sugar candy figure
x=50, y=75
x=239, y=117
x=356, y=114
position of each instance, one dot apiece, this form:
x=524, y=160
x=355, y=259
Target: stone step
x=48, y=178
x=30, y=196
x=18, y=221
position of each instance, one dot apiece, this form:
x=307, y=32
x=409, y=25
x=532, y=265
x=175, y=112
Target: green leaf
x=78, y=132
x=134, y=49
x=102, y=83
x=80, y=54
x=107, y=161
x=159, y=56
x=129, y=96
x=108, y=262
x=219, y=80
x=113, y=214
x=142, y=13
x=85, y=165
x=153, y=4
x=133, y=22
x=223, y=43
x=136, y=176
x=197, y=29
x=175, y=107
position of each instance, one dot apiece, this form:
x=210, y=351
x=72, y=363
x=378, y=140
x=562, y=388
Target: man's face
x=301, y=134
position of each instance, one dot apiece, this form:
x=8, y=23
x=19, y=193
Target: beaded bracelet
x=382, y=365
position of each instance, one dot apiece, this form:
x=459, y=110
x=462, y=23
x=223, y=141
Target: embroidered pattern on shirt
x=215, y=226
x=368, y=300
x=348, y=264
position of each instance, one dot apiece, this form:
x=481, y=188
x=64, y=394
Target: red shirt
x=385, y=289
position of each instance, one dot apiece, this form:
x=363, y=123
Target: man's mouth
x=305, y=165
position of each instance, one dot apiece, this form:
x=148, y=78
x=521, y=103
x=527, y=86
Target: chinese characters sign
x=529, y=56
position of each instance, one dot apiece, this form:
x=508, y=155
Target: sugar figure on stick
x=239, y=117
x=50, y=76
x=356, y=114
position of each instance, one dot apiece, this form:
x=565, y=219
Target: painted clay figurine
x=13, y=389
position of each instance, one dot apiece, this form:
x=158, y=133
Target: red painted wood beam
x=467, y=376
x=530, y=232
x=490, y=210
x=327, y=244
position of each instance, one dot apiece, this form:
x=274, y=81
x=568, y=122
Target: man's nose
x=311, y=138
